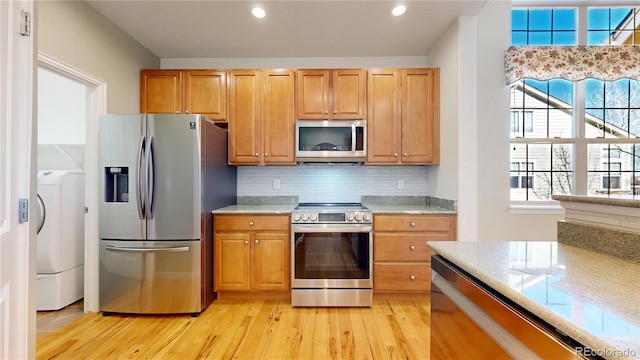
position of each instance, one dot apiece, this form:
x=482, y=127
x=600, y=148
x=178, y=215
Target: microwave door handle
x=353, y=138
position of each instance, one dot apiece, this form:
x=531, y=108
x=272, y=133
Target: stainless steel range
x=331, y=261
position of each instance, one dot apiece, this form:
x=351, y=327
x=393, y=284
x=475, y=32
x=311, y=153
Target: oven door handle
x=331, y=228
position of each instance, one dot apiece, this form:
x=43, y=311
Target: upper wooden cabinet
x=403, y=116
x=184, y=92
x=261, y=117
x=331, y=94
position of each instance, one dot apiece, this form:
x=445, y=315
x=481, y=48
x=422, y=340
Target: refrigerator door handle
x=151, y=179
x=147, y=250
x=140, y=195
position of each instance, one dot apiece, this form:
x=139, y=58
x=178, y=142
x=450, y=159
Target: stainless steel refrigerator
x=160, y=178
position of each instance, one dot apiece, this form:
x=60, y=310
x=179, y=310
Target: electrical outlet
x=276, y=183
x=400, y=184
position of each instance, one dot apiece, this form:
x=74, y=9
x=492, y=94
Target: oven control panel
x=322, y=217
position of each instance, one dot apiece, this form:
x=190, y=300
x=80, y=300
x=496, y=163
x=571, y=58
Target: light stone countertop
x=409, y=209
x=256, y=209
x=624, y=201
x=591, y=297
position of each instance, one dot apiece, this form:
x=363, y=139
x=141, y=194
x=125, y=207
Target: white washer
x=60, y=245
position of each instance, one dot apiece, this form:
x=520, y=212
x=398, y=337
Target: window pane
x=540, y=19
x=564, y=38
x=519, y=19
x=518, y=38
x=514, y=182
x=598, y=38
x=560, y=123
x=618, y=174
x=561, y=91
x=617, y=94
x=598, y=19
x=515, y=122
x=618, y=15
x=564, y=19
x=540, y=38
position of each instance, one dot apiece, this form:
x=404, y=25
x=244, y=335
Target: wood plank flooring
x=250, y=329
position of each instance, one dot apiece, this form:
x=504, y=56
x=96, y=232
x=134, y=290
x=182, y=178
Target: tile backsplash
x=332, y=182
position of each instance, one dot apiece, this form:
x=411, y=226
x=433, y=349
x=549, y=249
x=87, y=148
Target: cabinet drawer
x=398, y=277
x=401, y=247
x=251, y=222
x=442, y=223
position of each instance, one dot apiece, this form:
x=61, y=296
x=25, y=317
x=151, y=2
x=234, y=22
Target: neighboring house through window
x=582, y=136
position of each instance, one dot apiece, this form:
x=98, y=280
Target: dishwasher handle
x=167, y=249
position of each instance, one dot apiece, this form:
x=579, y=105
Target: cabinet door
x=313, y=94
x=161, y=91
x=383, y=121
x=232, y=265
x=278, y=117
x=420, y=116
x=348, y=90
x=205, y=92
x=271, y=262
x=244, y=117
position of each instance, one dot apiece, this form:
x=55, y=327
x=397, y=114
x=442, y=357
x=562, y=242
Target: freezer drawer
x=146, y=277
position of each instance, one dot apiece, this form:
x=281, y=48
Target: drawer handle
x=412, y=277
x=412, y=224
x=412, y=248
x=250, y=223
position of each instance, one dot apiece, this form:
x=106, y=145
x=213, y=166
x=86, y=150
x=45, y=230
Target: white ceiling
x=226, y=29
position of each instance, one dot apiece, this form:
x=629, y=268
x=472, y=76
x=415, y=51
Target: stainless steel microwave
x=331, y=140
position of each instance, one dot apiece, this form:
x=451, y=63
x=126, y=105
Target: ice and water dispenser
x=116, y=184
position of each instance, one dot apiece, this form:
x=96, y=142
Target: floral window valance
x=607, y=63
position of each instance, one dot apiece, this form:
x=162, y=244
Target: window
x=520, y=118
x=597, y=122
x=611, y=179
x=521, y=175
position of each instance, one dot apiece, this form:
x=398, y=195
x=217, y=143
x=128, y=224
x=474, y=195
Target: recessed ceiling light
x=258, y=12
x=398, y=10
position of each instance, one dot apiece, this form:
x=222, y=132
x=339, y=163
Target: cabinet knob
x=412, y=224
x=186, y=112
x=266, y=154
x=412, y=248
x=405, y=154
x=395, y=154
x=257, y=241
x=256, y=154
x=335, y=111
x=250, y=223
x=412, y=277
x=177, y=111
x=246, y=242
x=326, y=112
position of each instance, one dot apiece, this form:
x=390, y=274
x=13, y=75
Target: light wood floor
x=250, y=329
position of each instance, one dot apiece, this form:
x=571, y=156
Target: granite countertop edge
x=560, y=323
x=409, y=209
x=255, y=209
x=376, y=209
x=633, y=202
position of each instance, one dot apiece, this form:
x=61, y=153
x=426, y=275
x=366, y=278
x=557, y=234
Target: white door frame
x=96, y=106
x=17, y=180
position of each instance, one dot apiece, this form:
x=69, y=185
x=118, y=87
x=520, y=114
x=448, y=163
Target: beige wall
x=74, y=33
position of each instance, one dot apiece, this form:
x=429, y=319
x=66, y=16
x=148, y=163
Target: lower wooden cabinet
x=251, y=252
x=401, y=257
